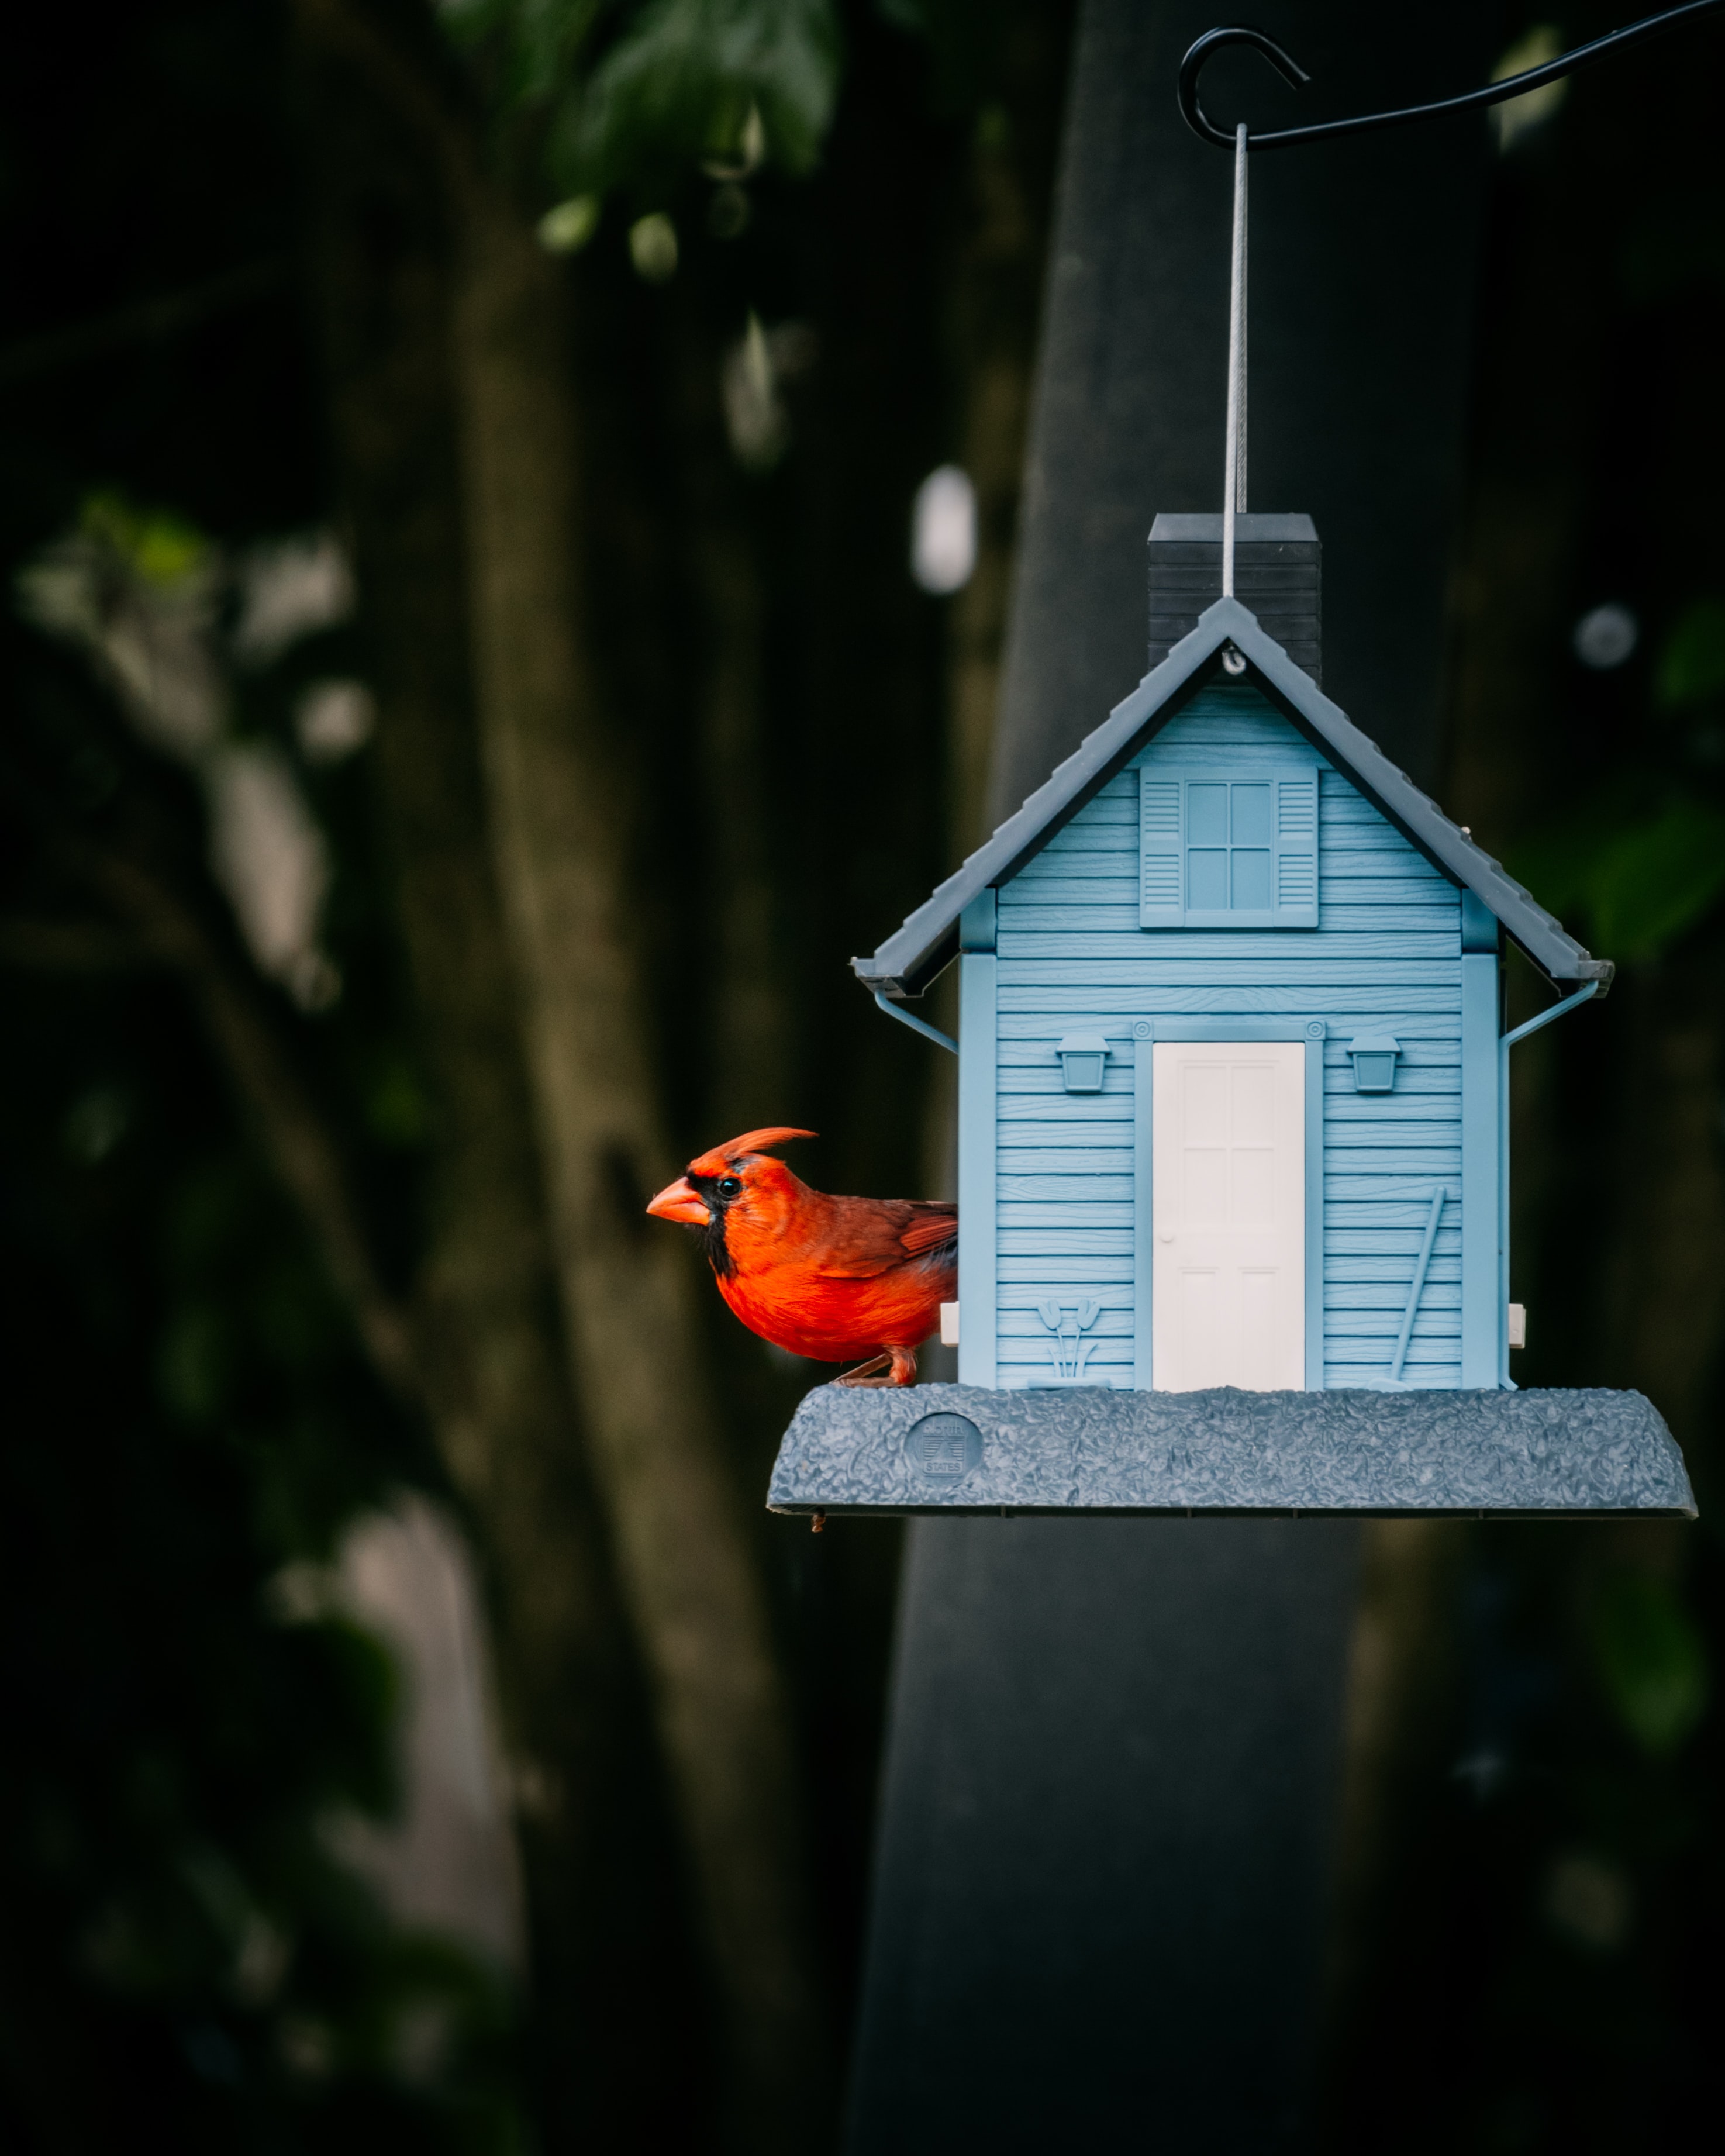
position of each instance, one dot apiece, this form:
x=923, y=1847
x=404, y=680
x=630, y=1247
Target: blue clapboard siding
x=1384, y=958
x=1064, y=1232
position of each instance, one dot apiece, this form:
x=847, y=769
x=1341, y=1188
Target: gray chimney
x=1277, y=575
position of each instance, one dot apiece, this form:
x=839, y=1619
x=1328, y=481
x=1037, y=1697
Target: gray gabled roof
x=908, y=961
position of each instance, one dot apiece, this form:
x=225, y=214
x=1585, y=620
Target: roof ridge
x=910, y=958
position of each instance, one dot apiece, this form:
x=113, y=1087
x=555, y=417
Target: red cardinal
x=826, y=1277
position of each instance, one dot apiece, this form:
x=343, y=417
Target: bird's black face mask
x=718, y=1192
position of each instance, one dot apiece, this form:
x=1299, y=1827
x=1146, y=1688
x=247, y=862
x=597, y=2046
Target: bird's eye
x=730, y=1186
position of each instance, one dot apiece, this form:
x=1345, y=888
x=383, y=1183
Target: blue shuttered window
x=1228, y=849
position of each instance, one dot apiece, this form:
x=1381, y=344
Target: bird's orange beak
x=681, y=1201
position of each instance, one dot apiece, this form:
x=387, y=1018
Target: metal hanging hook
x=1494, y=93
x=1205, y=48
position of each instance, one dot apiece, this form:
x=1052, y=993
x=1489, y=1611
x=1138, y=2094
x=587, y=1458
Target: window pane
x=1207, y=880
x=1206, y=817
x=1252, y=815
x=1251, y=881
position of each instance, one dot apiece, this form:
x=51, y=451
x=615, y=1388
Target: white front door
x=1228, y=1298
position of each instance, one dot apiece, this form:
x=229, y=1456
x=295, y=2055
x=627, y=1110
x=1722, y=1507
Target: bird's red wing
x=931, y=1224
x=871, y=1235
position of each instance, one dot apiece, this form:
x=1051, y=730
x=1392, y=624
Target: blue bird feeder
x=1233, y=1146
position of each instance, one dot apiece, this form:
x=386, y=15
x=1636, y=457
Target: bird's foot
x=874, y=1372
x=894, y=1366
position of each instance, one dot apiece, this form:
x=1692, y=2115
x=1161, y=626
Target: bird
x=825, y=1278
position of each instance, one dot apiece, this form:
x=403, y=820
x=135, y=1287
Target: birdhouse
x=1233, y=1122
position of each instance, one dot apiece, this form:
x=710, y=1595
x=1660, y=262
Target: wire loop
x=1494, y=93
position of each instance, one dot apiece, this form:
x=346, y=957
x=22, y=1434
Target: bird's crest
x=714, y=1163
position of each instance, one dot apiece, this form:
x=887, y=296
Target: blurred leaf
x=397, y=1111
x=531, y=48
x=295, y=1320
x=1650, y=1660
x=1658, y=879
x=162, y=548
x=1557, y=861
x=680, y=82
x=653, y=247
x=1691, y=667
x=566, y=228
x=360, y=1678
x=1640, y=876
x=1521, y=116
x=194, y=1364
x=96, y=1123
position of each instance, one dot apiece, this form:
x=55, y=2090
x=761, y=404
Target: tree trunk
x=995, y=310
x=748, y=1018
x=1401, y=1678
x=561, y=838
x=996, y=295
x=605, y=1926
x=1667, y=1282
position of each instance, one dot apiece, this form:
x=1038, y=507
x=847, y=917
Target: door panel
x=1228, y=1274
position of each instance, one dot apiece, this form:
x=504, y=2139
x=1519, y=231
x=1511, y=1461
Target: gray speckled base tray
x=960, y=1449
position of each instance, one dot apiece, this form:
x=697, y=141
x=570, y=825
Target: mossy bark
x=560, y=827
x=599, y=1847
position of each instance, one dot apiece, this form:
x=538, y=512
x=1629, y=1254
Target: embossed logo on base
x=944, y=1447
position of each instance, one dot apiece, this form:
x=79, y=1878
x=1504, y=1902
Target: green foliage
x=1657, y=878
x=631, y=94
x=679, y=87
x=1641, y=860
x=187, y=1419
x=1639, y=874
x=1691, y=667
x=530, y=50
x=632, y=98
x=397, y=1109
x=158, y=545
x=1650, y=1660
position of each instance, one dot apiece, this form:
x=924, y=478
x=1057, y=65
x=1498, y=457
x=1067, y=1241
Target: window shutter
x=1161, y=852
x=1297, y=851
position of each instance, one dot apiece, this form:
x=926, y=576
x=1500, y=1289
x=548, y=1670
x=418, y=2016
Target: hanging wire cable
x=1495, y=93
x=1242, y=179
x=1234, y=462
x=1234, y=483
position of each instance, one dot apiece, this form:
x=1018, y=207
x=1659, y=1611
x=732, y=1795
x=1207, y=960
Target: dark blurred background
x=508, y=514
